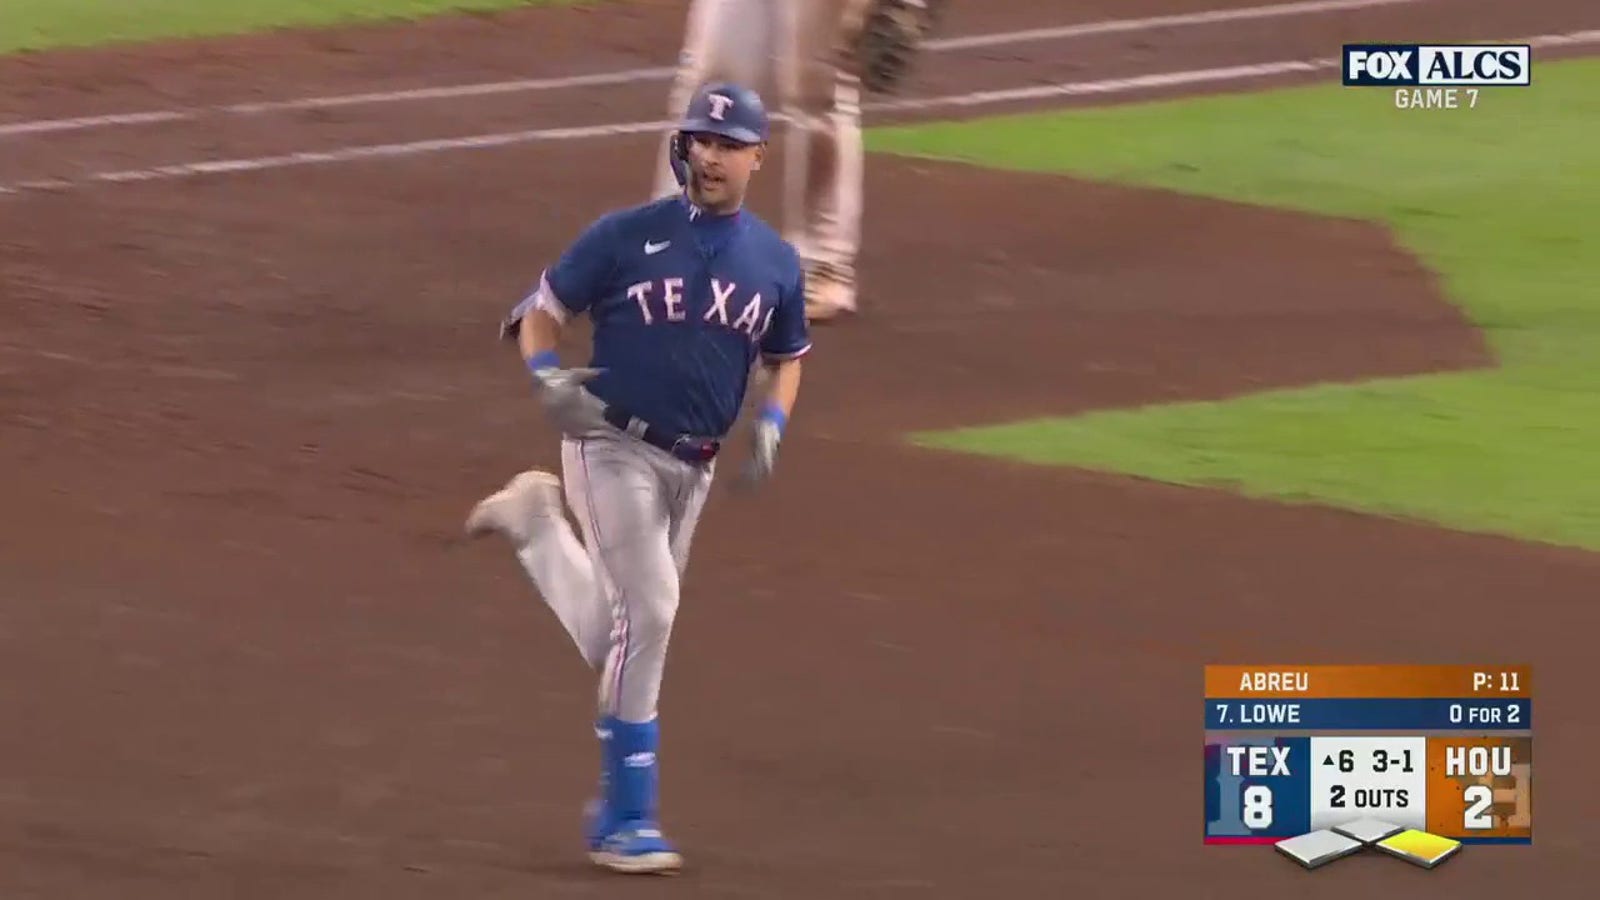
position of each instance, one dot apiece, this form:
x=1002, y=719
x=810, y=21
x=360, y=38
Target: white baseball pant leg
x=724, y=40
x=559, y=567
x=788, y=50
x=824, y=201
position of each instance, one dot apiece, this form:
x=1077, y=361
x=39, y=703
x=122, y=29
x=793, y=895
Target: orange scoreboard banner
x=1369, y=681
x=1327, y=760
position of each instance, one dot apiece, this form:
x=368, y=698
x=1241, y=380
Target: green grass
x=1502, y=201
x=46, y=24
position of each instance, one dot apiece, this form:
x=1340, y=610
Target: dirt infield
x=244, y=653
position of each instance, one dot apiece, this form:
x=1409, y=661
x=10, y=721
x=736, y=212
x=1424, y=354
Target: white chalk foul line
x=40, y=126
x=504, y=139
x=339, y=155
x=1111, y=85
x=480, y=89
x=634, y=76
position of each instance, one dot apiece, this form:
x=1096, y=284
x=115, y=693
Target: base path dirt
x=244, y=651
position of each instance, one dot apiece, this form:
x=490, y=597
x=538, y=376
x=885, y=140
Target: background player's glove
x=766, y=436
x=891, y=34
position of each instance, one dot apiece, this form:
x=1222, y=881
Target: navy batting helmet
x=722, y=108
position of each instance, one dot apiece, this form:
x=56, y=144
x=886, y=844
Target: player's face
x=720, y=170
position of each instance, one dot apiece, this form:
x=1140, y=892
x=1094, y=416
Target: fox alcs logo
x=1438, y=65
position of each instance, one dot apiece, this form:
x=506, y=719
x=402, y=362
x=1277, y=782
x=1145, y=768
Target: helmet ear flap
x=678, y=153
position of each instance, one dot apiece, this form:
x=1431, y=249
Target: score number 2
x=1257, y=800
x=1479, y=798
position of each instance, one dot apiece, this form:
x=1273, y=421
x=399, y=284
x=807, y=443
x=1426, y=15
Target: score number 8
x=1257, y=807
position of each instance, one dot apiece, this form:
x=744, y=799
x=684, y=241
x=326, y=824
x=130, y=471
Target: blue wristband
x=544, y=359
x=771, y=413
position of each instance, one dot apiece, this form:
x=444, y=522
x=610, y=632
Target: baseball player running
x=684, y=294
x=816, y=55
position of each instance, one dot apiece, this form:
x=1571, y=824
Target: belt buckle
x=703, y=450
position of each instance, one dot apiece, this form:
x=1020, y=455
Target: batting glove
x=571, y=408
x=766, y=436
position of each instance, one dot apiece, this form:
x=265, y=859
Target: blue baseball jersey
x=682, y=302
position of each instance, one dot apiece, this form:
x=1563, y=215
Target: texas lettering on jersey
x=664, y=300
x=682, y=304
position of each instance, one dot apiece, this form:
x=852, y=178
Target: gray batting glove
x=557, y=381
x=766, y=436
x=568, y=406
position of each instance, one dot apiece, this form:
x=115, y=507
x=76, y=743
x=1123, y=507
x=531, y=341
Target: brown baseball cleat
x=830, y=292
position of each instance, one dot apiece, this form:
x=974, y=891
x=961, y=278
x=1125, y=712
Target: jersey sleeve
x=581, y=275
x=789, y=337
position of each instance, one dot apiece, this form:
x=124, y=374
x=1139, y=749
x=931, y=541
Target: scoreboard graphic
x=1325, y=761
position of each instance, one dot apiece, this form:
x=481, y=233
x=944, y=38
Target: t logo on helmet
x=719, y=105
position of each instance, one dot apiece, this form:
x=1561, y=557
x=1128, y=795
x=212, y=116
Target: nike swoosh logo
x=651, y=248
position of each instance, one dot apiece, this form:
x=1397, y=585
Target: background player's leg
x=834, y=184
x=789, y=62
x=826, y=198
x=724, y=40
x=693, y=62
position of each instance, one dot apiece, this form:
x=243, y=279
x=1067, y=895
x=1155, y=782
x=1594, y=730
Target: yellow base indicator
x=1420, y=848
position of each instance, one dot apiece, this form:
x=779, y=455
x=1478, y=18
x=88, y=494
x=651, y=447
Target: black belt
x=687, y=447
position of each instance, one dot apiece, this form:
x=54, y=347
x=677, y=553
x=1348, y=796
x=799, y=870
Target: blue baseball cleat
x=637, y=848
